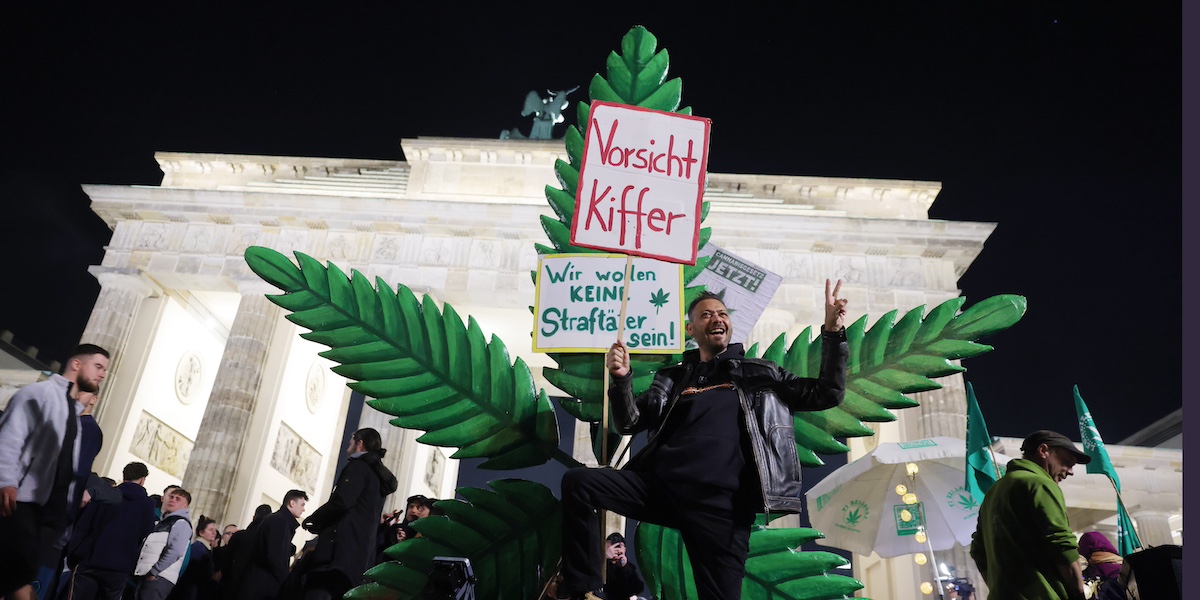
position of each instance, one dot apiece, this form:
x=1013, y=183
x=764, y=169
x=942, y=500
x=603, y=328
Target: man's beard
x=84, y=385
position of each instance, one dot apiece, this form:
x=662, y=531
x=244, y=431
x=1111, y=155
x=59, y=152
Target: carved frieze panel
x=161, y=446
x=152, y=236
x=242, y=238
x=907, y=273
x=295, y=458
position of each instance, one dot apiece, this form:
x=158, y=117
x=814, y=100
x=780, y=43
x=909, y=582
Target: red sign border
x=699, y=194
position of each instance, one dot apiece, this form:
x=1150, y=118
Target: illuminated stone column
x=121, y=294
x=215, y=458
x=1153, y=527
x=942, y=412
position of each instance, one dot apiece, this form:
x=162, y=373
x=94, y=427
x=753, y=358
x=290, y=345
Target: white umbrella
x=858, y=509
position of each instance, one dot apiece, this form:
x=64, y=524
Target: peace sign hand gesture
x=835, y=308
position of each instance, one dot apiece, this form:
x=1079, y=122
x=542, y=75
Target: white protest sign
x=641, y=183
x=579, y=304
x=745, y=288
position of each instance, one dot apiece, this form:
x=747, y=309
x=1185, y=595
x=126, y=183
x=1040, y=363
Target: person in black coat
x=104, y=545
x=273, y=550
x=346, y=524
x=235, y=560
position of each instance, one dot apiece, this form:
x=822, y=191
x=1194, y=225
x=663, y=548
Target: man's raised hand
x=835, y=307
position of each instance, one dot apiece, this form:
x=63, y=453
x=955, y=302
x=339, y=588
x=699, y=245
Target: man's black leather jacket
x=768, y=395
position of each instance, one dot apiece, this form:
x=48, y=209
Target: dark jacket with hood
x=270, y=557
x=109, y=536
x=768, y=396
x=346, y=524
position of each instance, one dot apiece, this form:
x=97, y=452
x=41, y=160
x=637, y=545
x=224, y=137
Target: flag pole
x=604, y=410
x=1120, y=509
x=995, y=465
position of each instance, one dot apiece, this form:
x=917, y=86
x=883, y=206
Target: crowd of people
x=713, y=460
x=66, y=533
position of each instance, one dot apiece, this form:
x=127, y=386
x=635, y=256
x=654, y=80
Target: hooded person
x=346, y=524
x=1103, y=565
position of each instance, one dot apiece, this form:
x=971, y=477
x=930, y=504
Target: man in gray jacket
x=161, y=559
x=39, y=448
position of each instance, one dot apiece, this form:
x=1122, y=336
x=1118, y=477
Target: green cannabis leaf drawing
x=659, y=299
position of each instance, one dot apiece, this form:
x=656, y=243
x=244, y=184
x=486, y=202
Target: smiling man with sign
x=641, y=183
x=720, y=449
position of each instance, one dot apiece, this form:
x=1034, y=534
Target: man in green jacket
x=1023, y=544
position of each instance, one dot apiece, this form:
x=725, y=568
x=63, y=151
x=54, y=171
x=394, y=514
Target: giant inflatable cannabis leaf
x=512, y=531
x=417, y=363
x=888, y=361
x=776, y=569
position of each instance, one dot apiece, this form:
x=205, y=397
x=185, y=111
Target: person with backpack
x=162, y=554
x=273, y=550
x=106, y=540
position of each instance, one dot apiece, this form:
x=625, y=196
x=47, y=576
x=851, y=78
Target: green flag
x=1093, y=446
x=982, y=470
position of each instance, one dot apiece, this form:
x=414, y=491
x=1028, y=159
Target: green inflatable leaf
x=420, y=365
x=512, y=537
x=886, y=362
x=776, y=569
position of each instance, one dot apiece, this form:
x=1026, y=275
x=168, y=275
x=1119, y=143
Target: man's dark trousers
x=100, y=584
x=717, y=541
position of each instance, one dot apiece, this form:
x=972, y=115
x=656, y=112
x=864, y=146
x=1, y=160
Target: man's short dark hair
x=178, y=491
x=705, y=295
x=134, y=471
x=615, y=538
x=294, y=495
x=87, y=350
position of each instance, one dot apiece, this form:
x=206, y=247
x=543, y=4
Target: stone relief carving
x=295, y=458
x=198, y=239
x=340, y=247
x=433, y=471
x=435, y=251
x=314, y=387
x=798, y=267
x=388, y=249
x=484, y=254
x=907, y=273
x=153, y=236
x=189, y=375
x=850, y=270
x=161, y=446
x=245, y=238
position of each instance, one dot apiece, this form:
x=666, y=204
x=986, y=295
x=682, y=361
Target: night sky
x=1059, y=121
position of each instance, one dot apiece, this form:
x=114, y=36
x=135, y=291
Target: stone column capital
x=129, y=279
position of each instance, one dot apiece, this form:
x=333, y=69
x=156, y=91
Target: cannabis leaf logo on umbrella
x=659, y=299
x=853, y=517
x=966, y=501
